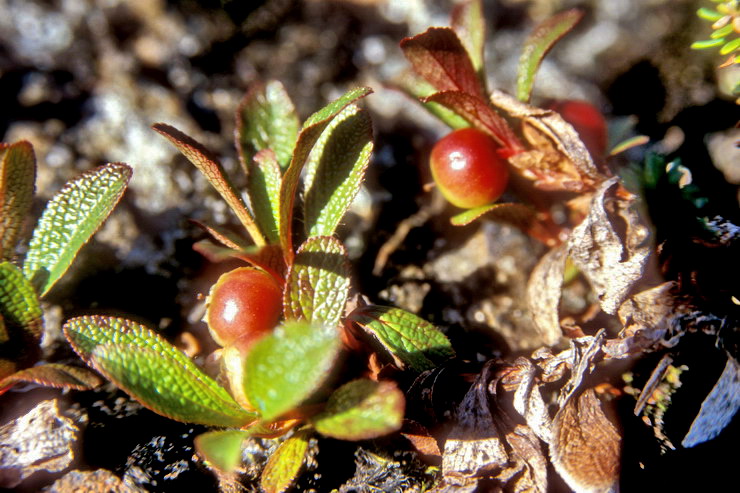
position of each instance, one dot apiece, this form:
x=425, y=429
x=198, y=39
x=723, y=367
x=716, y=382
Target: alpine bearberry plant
x=556, y=149
x=70, y=218
x=282, y=320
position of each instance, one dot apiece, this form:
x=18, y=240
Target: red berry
x=588, y=122
x=468, y=168
x=243, y=305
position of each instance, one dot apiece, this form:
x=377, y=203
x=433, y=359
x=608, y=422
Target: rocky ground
x=83, y=80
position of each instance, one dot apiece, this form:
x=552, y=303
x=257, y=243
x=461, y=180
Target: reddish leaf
x=55, y=375
x=439, y=57
x=480, y=114
x=214, y=173
x=17, y=179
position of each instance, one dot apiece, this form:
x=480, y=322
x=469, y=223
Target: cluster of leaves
x=725, y=19
x=70, y=218
x=283, y=380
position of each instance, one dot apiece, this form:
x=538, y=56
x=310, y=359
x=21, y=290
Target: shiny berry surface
x=468, y=169
x=588, y=122
x=243, y=305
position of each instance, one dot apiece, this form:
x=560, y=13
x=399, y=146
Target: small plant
x=545, y=150
x=70, y=218
x=725, y=19
x=281, y=321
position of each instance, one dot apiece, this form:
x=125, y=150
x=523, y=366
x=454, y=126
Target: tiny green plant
x=556, y=149
x=282, y=319
x=725, y=19
x=70, y=218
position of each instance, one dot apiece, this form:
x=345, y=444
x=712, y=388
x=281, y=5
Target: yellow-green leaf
x=538, y=44
x=362, y=409
x=263, y=187
x=285, y=463
x=17, y=182
x=335, y=170
x=152, y=371
x=470, y=26
x=19, y=303
x=222, y=448
x=310, y=133
x=266, y=119
x=412, y=341
x=318, y=282
x=71, y=217
x=284, y=368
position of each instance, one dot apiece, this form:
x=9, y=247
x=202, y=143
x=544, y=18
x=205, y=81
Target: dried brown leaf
x=610, y=248
x=543, y=293
x=559, y=160
x=586, y=446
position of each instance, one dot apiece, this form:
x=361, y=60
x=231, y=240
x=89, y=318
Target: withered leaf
x=612, y=261
x=647, y=317
x=529, y=403
x=543, y=293
x=586, y=446
x=486, y=443
x=474, y=447
x=561, y=160
x=719, y=407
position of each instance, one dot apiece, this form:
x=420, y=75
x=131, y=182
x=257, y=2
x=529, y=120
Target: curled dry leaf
x=543, y=293
x=611, y=260
x=586, y=447
x=486, y=444
x=559, y=159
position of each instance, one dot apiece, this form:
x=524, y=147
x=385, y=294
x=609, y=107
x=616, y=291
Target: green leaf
x=55, y=375
x=439, y=57
x=480, y=115
x=470, y=26
x=286, y=367
x=730, y=47
x=707, y=43
x=263, y=187
x=71, y=217
x=17, y=183
x=318, y=282
x=152, y=371
x=207, y=164
x=19, y=303
x=222, y=449
x=266, y=119
x=629, y=143
x=310, y=133
x=412, y=341
x=538, y=44
x=519, y=215
x=722, y=32
x=362, y=409
x=708, y=14
x=285, y=463
x=336, y=169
